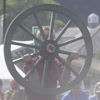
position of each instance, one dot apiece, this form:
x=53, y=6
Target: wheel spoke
x=57, y=71
x=19, y=70
x=34, y=67
x=68, y=53
x=25, y=45
x=52, y=25
x=68, y=66
x=64, y=52
x=63, y=30
x=39, y=25
x=29, y=33
x=20, y=59
x=17, y=60
x=44, y=74
x=70, y=41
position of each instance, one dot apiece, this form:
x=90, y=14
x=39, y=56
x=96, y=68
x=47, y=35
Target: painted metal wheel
x=67, y=40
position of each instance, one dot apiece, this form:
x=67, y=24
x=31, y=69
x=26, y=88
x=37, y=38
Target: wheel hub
x=49, y=49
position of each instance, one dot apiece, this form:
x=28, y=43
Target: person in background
x=76, y=94
x=1, y=92
x=15, y=93
x=66, y=75
x=51, y=81
x=96, y=95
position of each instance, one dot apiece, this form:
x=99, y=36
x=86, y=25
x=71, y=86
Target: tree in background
x=0, y=6
x=14, y=7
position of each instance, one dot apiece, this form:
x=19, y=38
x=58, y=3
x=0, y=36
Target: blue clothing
x=94, y=97
x=83, y=95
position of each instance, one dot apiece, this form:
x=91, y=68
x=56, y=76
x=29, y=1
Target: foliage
x=59, y=24
x=14, y=7
x=0, y=4
x=50, y=2
x=98, y=55
x=1, y=7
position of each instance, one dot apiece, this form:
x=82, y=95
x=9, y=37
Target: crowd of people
x=15, y=93
x=51, y=81
x=77, y=93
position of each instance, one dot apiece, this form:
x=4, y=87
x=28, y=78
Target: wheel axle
x=49, y=49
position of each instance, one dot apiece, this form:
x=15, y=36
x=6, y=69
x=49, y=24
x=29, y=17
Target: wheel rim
x=51, y=46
